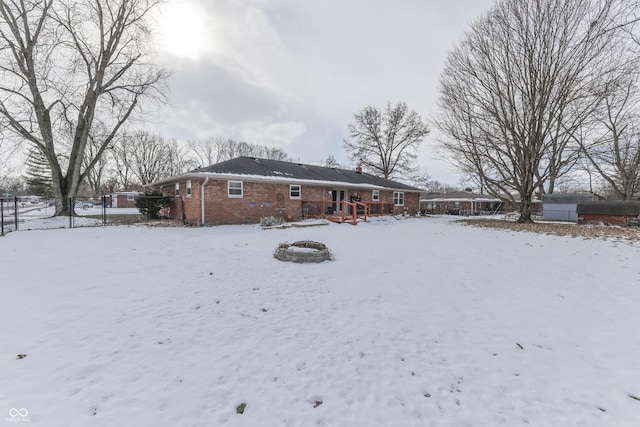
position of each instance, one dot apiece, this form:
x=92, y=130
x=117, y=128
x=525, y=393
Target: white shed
x=562, y=207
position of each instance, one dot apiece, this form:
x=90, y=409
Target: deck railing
x=323, y=208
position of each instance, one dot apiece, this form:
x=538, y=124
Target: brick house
x=245, y=189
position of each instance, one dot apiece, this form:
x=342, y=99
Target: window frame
x=375, y=195
x=291, y=196
x=235, y=196
x=398, y=198
x=177, y=190
x=189, y=188
x=131, y=198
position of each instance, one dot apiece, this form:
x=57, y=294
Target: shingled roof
x=279, y=170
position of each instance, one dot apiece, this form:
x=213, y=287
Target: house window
x=294, y=191
x=188, y=188
x=177, y=188
x=375, y=195
x=130, y=198
x=398, y=198
x=235, y=189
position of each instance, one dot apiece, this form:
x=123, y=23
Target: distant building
x=563, y=207
x=614, y=212
x=459, y=203
x=122, y=199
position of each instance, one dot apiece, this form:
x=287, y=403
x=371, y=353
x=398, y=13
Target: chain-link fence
x=37, y=213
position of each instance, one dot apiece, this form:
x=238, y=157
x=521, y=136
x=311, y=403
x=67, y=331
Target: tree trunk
x=63, y=193
x=524, y=209
x=63, y=206
x=59, y=108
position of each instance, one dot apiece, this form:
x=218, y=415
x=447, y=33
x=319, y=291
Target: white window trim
x=176, y=192
x=188, y=188
x=299, y=196
x=131, y=198
x=396, y=196
x=235, y=196
x=375, y=195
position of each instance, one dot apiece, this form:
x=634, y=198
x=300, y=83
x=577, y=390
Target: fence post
x=2, y=215
x=70, y=201
x=15, y=212
x=104, y=209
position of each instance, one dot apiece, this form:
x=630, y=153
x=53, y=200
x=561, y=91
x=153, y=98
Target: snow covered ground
x=421, y=322
x=40, y=217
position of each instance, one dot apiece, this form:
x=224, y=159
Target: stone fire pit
x=305, y=251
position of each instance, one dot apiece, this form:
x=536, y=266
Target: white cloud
x=275, y=134
x=293, y=73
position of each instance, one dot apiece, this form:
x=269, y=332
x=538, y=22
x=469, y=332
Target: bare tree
x=121, y=170
x=148, y=156
x=206, y=151
x=10, y=184
x=213, y=150
x=142, y=158
x=273, y=153
x=435, y=186
x=94, y=176
x=231, y=148
x=178, y=159
x=516, y=91
x=331, y=162
x=615, y=151
x=386, y=143
x=65, y=65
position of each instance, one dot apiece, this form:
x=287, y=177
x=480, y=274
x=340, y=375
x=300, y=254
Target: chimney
x=358, y=169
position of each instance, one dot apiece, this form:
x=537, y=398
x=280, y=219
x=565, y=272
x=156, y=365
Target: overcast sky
x=291, y=73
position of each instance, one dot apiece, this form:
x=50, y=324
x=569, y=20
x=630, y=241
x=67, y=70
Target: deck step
x=339, y=220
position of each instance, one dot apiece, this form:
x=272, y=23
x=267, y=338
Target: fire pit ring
x=305, y=251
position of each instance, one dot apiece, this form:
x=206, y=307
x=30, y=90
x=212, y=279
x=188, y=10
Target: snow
x=39, y=217
x=422, y=322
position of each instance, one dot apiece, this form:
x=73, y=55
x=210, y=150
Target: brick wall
x=258, y=200
x=411, y=202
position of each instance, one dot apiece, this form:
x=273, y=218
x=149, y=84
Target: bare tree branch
x=517, y=91
x=385, y=143
x=68, y=65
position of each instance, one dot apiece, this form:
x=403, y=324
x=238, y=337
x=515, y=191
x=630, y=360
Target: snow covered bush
x=271, y=221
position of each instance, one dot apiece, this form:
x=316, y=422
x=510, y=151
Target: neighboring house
x=245, y=189
x=122, y=199
x=563, y=207
x=615, y=212
x=459, y=203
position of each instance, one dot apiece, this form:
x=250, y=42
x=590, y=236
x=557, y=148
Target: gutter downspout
x=202, y=199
